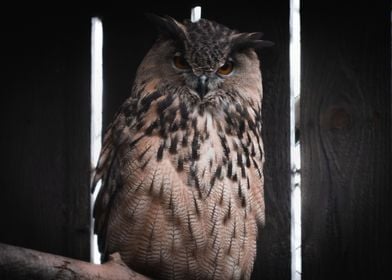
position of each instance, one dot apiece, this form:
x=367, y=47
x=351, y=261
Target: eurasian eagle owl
x=182, y=162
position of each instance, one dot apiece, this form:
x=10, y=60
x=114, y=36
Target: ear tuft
x=167, y=26
x=241, y=41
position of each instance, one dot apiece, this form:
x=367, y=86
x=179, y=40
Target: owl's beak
x=202, y=86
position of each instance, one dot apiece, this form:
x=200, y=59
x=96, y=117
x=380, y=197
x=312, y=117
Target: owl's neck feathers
x=224, y=141
x=167, y=111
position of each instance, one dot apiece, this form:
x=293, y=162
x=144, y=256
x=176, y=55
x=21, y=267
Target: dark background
x=345, y=125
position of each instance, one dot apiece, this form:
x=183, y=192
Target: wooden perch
x=21, y=263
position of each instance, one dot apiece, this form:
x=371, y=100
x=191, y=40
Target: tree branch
x=21, y=263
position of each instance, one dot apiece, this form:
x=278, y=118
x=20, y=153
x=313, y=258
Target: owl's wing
x=108, y=171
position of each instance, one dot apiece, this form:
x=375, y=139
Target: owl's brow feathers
x=215, y=34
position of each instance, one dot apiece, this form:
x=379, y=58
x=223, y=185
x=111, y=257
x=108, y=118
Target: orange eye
x=180, y=62
x=226, y=68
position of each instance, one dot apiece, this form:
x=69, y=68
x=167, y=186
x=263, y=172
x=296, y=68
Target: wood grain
x=21, y=263
x=346, y=140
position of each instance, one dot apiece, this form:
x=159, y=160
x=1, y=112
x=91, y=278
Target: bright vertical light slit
x=96, y=112
x=196, y=14
x=295, y=78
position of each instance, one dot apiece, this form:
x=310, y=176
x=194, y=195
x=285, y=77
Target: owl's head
x=208, y=61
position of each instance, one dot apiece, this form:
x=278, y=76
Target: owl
x=182, y=162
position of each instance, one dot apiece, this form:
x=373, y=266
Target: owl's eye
x=226, y=68
x=180, y=62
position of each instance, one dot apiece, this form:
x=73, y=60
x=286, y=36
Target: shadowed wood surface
x=346, y=140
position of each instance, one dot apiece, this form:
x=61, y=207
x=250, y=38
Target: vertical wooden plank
x=346, y=140
x=128, y=38
x=44, y=116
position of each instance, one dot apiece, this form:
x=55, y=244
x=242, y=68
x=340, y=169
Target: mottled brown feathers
x=182, y=174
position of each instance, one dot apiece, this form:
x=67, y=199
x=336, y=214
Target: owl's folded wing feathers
x=107, y=172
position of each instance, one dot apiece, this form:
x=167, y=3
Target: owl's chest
x=205, y=160
x=197, y=159
x=193, y=197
